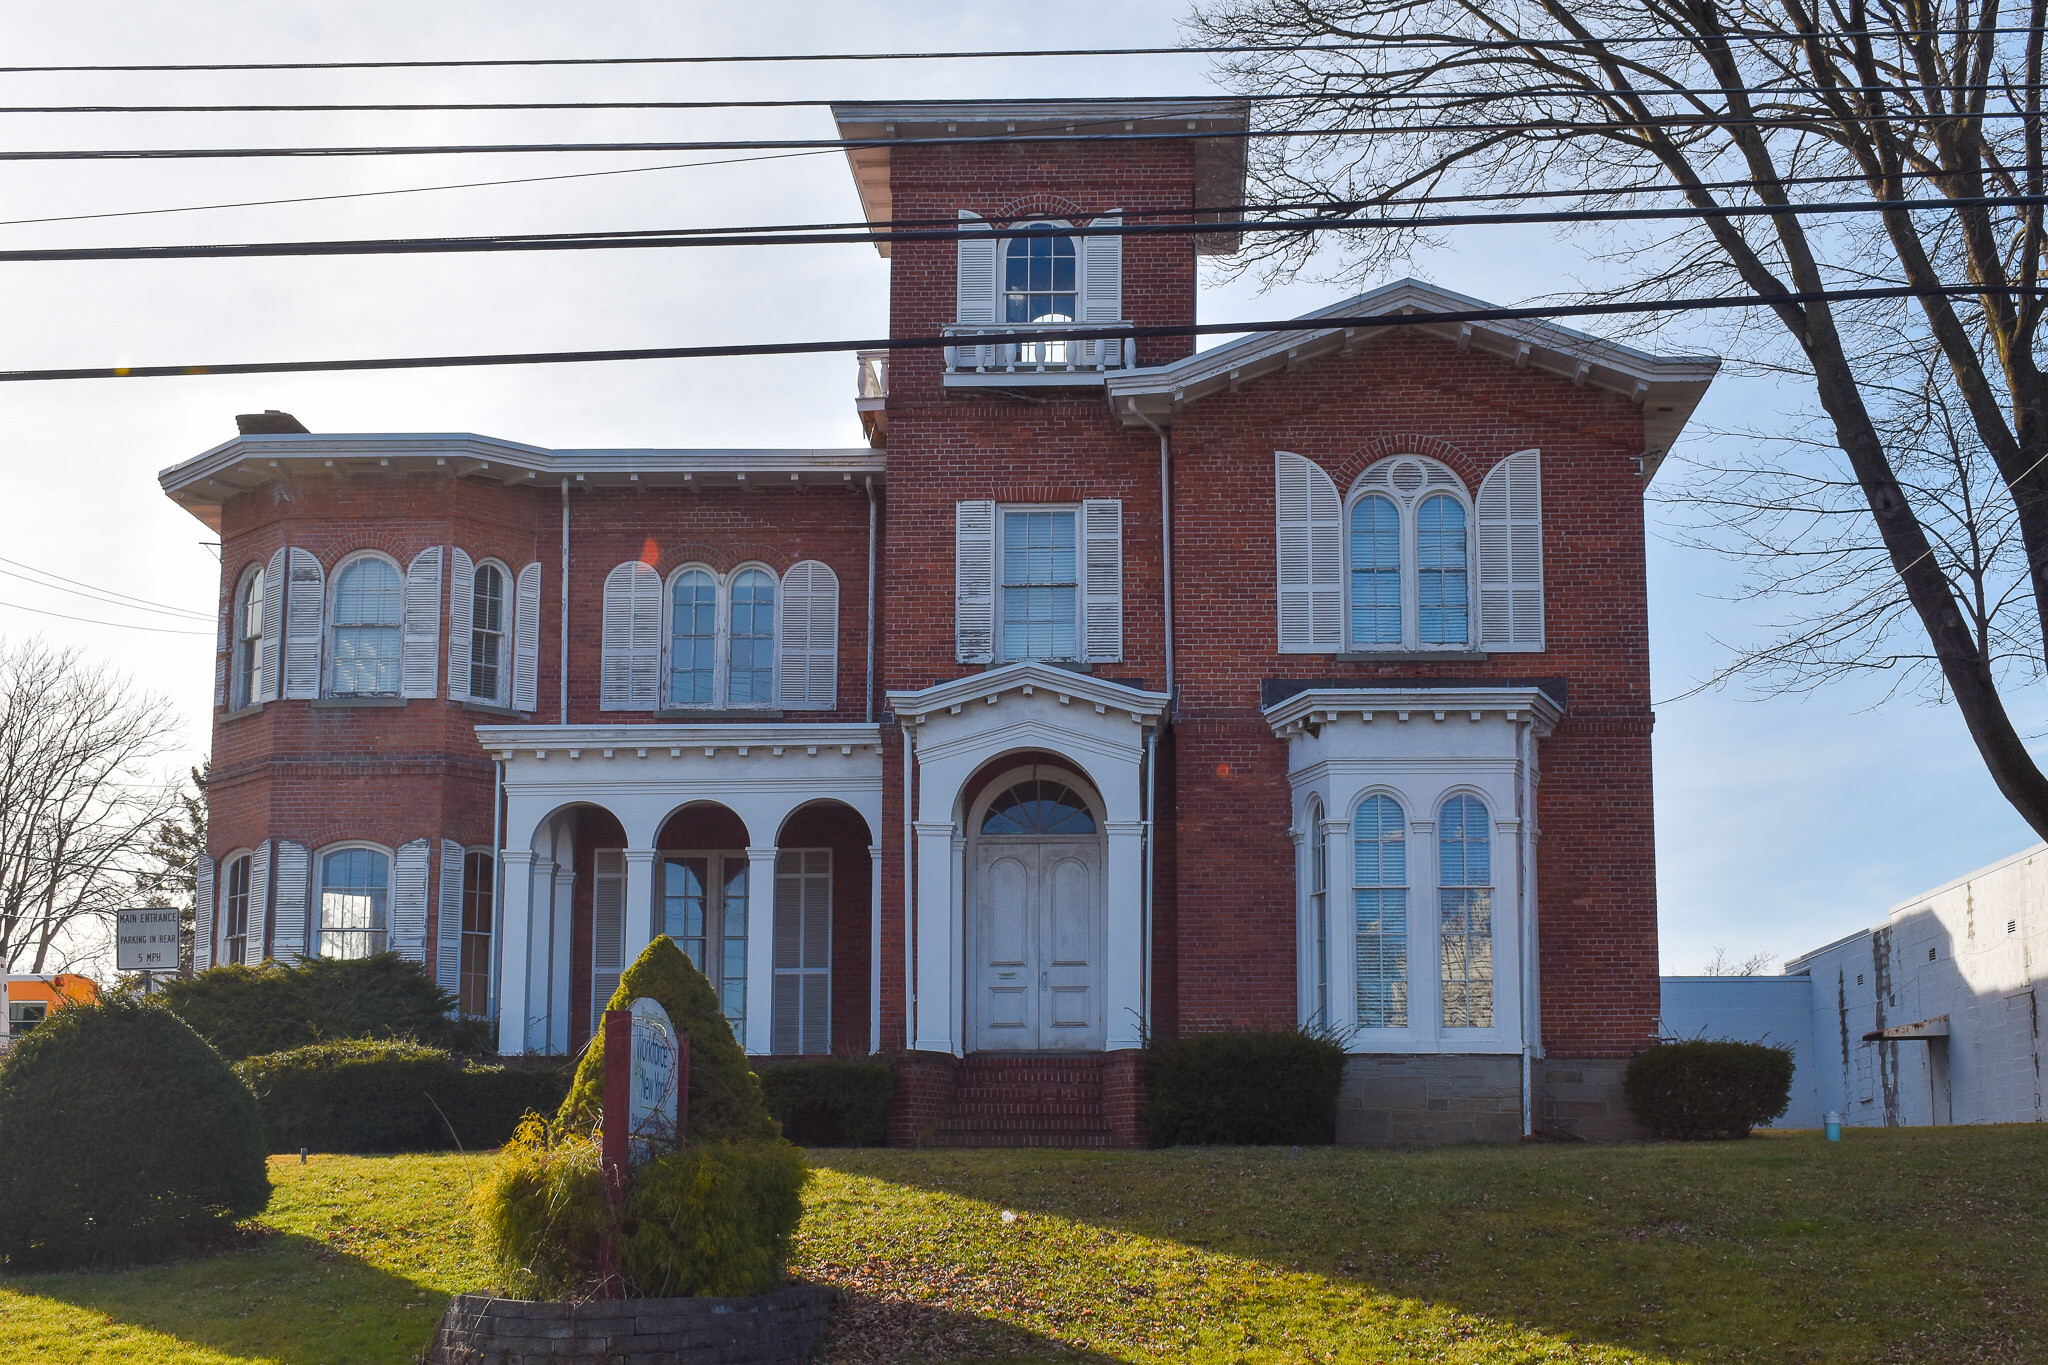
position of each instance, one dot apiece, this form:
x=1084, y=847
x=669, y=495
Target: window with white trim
x=1380, y=896
x=355, y=901
x=1041, y=285
x=1038, y=582
x=1319, y=912
x=1465, y=916
x=235, y=907
x=741, y=640
x=249, y=681
x=1409, y=556
x=1041, y=583
x=473, y=989
x=693, y=639
x=369, y=606
x=751, y=680
x=704, y=909
x=487, y=671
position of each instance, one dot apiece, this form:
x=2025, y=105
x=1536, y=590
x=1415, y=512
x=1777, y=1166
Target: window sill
x=356, y=703
x=485, y=708
x=1413, y=656
x=691, y=713
x=254, y=708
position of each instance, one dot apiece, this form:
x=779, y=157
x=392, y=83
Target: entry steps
x=1025, y=1101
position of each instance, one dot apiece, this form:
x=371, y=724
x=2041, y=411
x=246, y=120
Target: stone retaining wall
x=770, y=1329
x=1391, y=1100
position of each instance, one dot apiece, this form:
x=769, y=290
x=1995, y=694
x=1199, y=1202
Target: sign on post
x=655, y=1080
x=146, y=939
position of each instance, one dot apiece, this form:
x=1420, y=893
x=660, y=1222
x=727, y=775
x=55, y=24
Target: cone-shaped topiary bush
x=121, y=1134
x=725, y=1095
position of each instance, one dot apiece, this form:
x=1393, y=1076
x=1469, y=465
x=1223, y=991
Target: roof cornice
x=1029, y=677
x=1322, y=705
x=1667, y=388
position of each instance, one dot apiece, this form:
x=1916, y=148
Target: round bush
x=1701, y=1089
x=250, y=1011
x=711, y=1220
x=121, y=1134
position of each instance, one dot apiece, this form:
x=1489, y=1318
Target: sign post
x=646, y=1107
x=618, y=1049
x=146, y=941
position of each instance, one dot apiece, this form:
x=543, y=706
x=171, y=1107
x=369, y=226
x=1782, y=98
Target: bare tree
x=1914, y=536
x=1721, y=965
x=171, y=873
x=78, y=801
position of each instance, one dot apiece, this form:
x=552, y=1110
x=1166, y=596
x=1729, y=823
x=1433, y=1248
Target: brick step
x=1028, y=1119
x=1089, y=1141
x=1036, y=1094
x=1059, y=1075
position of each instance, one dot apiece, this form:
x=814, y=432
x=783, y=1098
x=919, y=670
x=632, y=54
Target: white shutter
x=273, y=627
x=526, y=640
x=202, y=913
x=1102, y=580
x=975, y=279
x=1102, y=290
x=607, y=928
x=420, y=654
x=1308, y=555
x=448, y=918
x=1510, y=525
x=461, y=610
x=809, y=665
x=223, y=647
x=974, y=582
x=409, y=901
x=293, y=872
x=305, y=614
x=632, y=638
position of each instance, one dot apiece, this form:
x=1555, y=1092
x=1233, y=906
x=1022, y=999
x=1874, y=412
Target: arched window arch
x=234, y=911
x=1041, y=285
x=251, y=684
x=1408, y=556
x=368, y=608
x=355, y=901
x=1380, y=891
x=1318, y=912
x=490, y=599
x=1038, y=806
x=751, y=671
x=1465, y=914
x=693, y=637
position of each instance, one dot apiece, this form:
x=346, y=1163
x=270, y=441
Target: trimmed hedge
x=831, y=1102
x=1700, y=1089
x=253, y=1011
x=122, y=1134
x=383, y=1096
x=1244, y=1086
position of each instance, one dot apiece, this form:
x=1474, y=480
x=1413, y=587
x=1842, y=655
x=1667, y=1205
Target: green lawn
x=1923, y=1245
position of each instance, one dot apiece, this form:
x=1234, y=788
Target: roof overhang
x=1926, y=1028
x=1028, y=678
x=1219, y=162
x=201, y=484
x=1317, y=706
x=1667, y=388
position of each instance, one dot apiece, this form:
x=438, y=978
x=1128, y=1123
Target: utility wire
x=1391, y=42
x=101, y=596
x=87, y=620
x=994, y=336
x=690, y=237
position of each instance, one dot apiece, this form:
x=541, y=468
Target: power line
x=664, y=238
x=996, y=337
x=87, y=620
x=1391, y=42
x=106, y=594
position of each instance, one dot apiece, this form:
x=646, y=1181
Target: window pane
x=368, y=600
x=1441, y=605
x=1041, y=582
x=473, y=991
x=1381, y=900
x=1319, y=913
x=693, y=639
x=752, y=678
x=487, y=625
x=1375, y=572
x=248, y=659
x=733, y=990
x=1464, y=877
x=682, y=901
x=1037, y=807
x=353, y=888
x=236, y=946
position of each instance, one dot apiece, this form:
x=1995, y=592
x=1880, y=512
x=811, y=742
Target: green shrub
x=725, y=1095
x=1251, y=1086
x=832, y=1102
x=369, y=1095
x=250, y=1011
x=121, y=1134
x=1703, y=1089
x=712, y=1220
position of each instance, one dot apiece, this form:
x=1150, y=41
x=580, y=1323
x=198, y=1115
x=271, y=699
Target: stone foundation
x=1581, y=1097
x=769, y=1329
x=1393, y=1100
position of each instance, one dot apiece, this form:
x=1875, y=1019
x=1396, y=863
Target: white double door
x=1035, y=945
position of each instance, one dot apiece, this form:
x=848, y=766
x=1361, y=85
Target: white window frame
x=333, y=604
x=719, y=863
x=1408, y=508
x=507, y=619
x=1406, y=809
x=1436, y=914
x=223, y=881
x=317, y=917
x=1028, y=352
x=1080, y=652
x=490, y=937
x=721, y=650
x=247, y=685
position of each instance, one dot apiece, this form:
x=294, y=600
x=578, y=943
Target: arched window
x=369, y=601
x=473, y=992
x=355, y=894
x=1037, y=806
x=235, y=913
x=1442, y=611
x=751, y=679
x=487, y=634
x=250, y=684
x=693, y=640
x=1380, y=887
x=1319, y=912
x=1465, y=886
x=1039, y=285
x=1375, y=571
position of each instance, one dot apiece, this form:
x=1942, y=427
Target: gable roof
x=1667, y=388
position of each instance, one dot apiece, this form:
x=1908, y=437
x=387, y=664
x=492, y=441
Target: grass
x=1908, y=1245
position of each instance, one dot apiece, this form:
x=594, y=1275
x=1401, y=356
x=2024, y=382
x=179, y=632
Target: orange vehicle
x=30, y=998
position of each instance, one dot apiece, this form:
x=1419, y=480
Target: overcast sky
x=1782, y=824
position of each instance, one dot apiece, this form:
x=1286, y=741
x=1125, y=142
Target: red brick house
x=1113, y=689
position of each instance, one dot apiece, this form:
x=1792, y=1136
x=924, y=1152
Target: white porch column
x=874, y=947
x=540, y=955
x=760, y=1033
x=516, y=909
x=1123, y=921
x=1340, y=912
x=558, y=961
x=939, y=967
x=639, y=903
